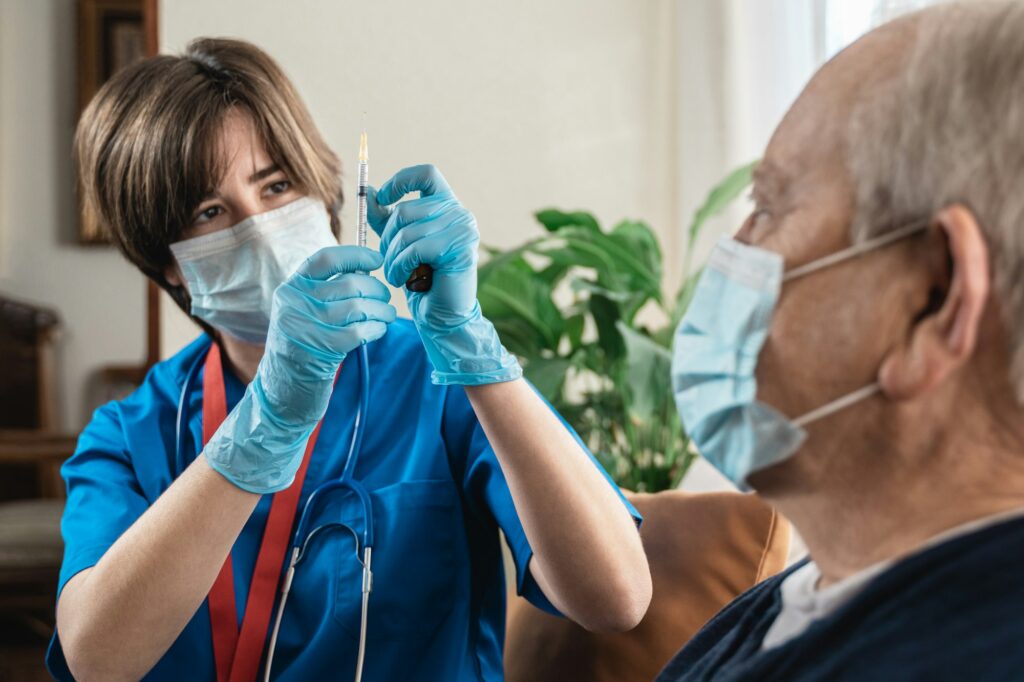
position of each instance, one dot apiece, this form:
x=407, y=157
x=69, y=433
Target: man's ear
x=942, y=341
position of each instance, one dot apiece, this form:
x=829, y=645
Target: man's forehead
x=812, y=137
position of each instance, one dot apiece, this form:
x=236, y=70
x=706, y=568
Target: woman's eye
x=279, y=187
x=208, y=214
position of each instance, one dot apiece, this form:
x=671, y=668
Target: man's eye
x=279, y=187
x=752, y=218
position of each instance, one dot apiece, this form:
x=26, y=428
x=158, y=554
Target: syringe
x=422, y=277
x=361, y=419
x=364, y=179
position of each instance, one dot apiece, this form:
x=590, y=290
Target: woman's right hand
x=315, y=322
x=327, y=309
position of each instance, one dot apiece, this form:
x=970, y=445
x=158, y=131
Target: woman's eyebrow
x=260, y=174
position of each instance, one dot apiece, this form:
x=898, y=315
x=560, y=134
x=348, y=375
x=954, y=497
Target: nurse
x=183, y=498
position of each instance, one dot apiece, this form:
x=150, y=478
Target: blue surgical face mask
x=715, y=355
x=231, y=274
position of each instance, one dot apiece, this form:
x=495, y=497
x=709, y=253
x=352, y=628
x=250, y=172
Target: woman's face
x=252, y=183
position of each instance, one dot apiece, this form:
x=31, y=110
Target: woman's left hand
x=438, y=231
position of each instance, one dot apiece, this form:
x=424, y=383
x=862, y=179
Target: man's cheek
x=780, y=373
x=795, y=357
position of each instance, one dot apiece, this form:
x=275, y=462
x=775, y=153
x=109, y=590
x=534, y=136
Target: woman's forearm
x=118, y=618
x=588, y=557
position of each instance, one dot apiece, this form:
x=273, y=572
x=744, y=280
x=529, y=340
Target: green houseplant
x=585, y=311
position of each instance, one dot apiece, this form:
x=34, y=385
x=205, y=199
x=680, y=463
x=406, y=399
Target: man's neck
x=850, y=527
x=241, y=358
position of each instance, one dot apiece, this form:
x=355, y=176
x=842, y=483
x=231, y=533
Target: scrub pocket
x=416, y=524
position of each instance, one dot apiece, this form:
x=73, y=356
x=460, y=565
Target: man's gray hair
x=949, y=128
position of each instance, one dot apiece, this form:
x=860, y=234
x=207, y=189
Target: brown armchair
x=703, y=549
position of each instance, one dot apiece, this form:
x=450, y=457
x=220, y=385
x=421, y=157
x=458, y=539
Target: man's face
x=832, y=328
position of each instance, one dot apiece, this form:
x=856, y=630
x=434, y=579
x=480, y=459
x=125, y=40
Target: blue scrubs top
x=437, y=611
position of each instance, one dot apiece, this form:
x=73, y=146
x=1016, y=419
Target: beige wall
x=99, y=297
x=522, y=105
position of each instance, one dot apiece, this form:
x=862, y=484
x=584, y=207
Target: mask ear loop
x=838, y=404
x=856, y=250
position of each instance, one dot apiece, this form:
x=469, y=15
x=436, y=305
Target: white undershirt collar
x=803, y=603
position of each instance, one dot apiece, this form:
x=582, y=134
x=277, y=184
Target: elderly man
x=856, y=355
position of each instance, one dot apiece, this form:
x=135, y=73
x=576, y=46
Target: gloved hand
x=437, y=230
x=314, y=323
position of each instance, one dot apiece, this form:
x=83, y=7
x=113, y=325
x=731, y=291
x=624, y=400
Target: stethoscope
x=303, y=534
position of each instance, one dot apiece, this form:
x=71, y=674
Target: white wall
x=523, y=105
x=742, y=63
x=99, y=297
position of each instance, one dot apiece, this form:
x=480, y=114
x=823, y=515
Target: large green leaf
x=617, y=267
x=515, y=291
x=639, y=239
x=630, y=302
x=518, y=336
x=583, y=254
x=582, y=284
x=648, y=370
x=574, y=330
x=606, y=316
x=499, y=260
x=548, y=376
x=552, y=219
x=553, y=273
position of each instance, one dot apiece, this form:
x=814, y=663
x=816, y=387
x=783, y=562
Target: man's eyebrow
x=769, y=179
x=265, y=172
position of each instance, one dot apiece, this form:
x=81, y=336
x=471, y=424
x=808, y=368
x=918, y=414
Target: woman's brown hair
x=146, y=146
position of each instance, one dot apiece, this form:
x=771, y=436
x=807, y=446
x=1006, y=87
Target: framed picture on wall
x=111, y=35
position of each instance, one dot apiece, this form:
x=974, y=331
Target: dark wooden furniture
x=31, y=492
x=26, y=336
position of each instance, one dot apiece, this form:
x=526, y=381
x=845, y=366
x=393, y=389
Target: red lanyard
x=237, y=654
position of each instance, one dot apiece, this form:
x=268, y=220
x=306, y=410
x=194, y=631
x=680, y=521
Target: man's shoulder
x=949, y=612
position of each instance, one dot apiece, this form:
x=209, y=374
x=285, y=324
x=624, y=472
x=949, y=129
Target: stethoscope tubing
x=302, y=536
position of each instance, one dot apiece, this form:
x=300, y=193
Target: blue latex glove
x=437, y=230
x=315, y=322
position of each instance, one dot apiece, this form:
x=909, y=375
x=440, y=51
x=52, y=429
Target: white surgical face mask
x=231, y=274
x=715, y=354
